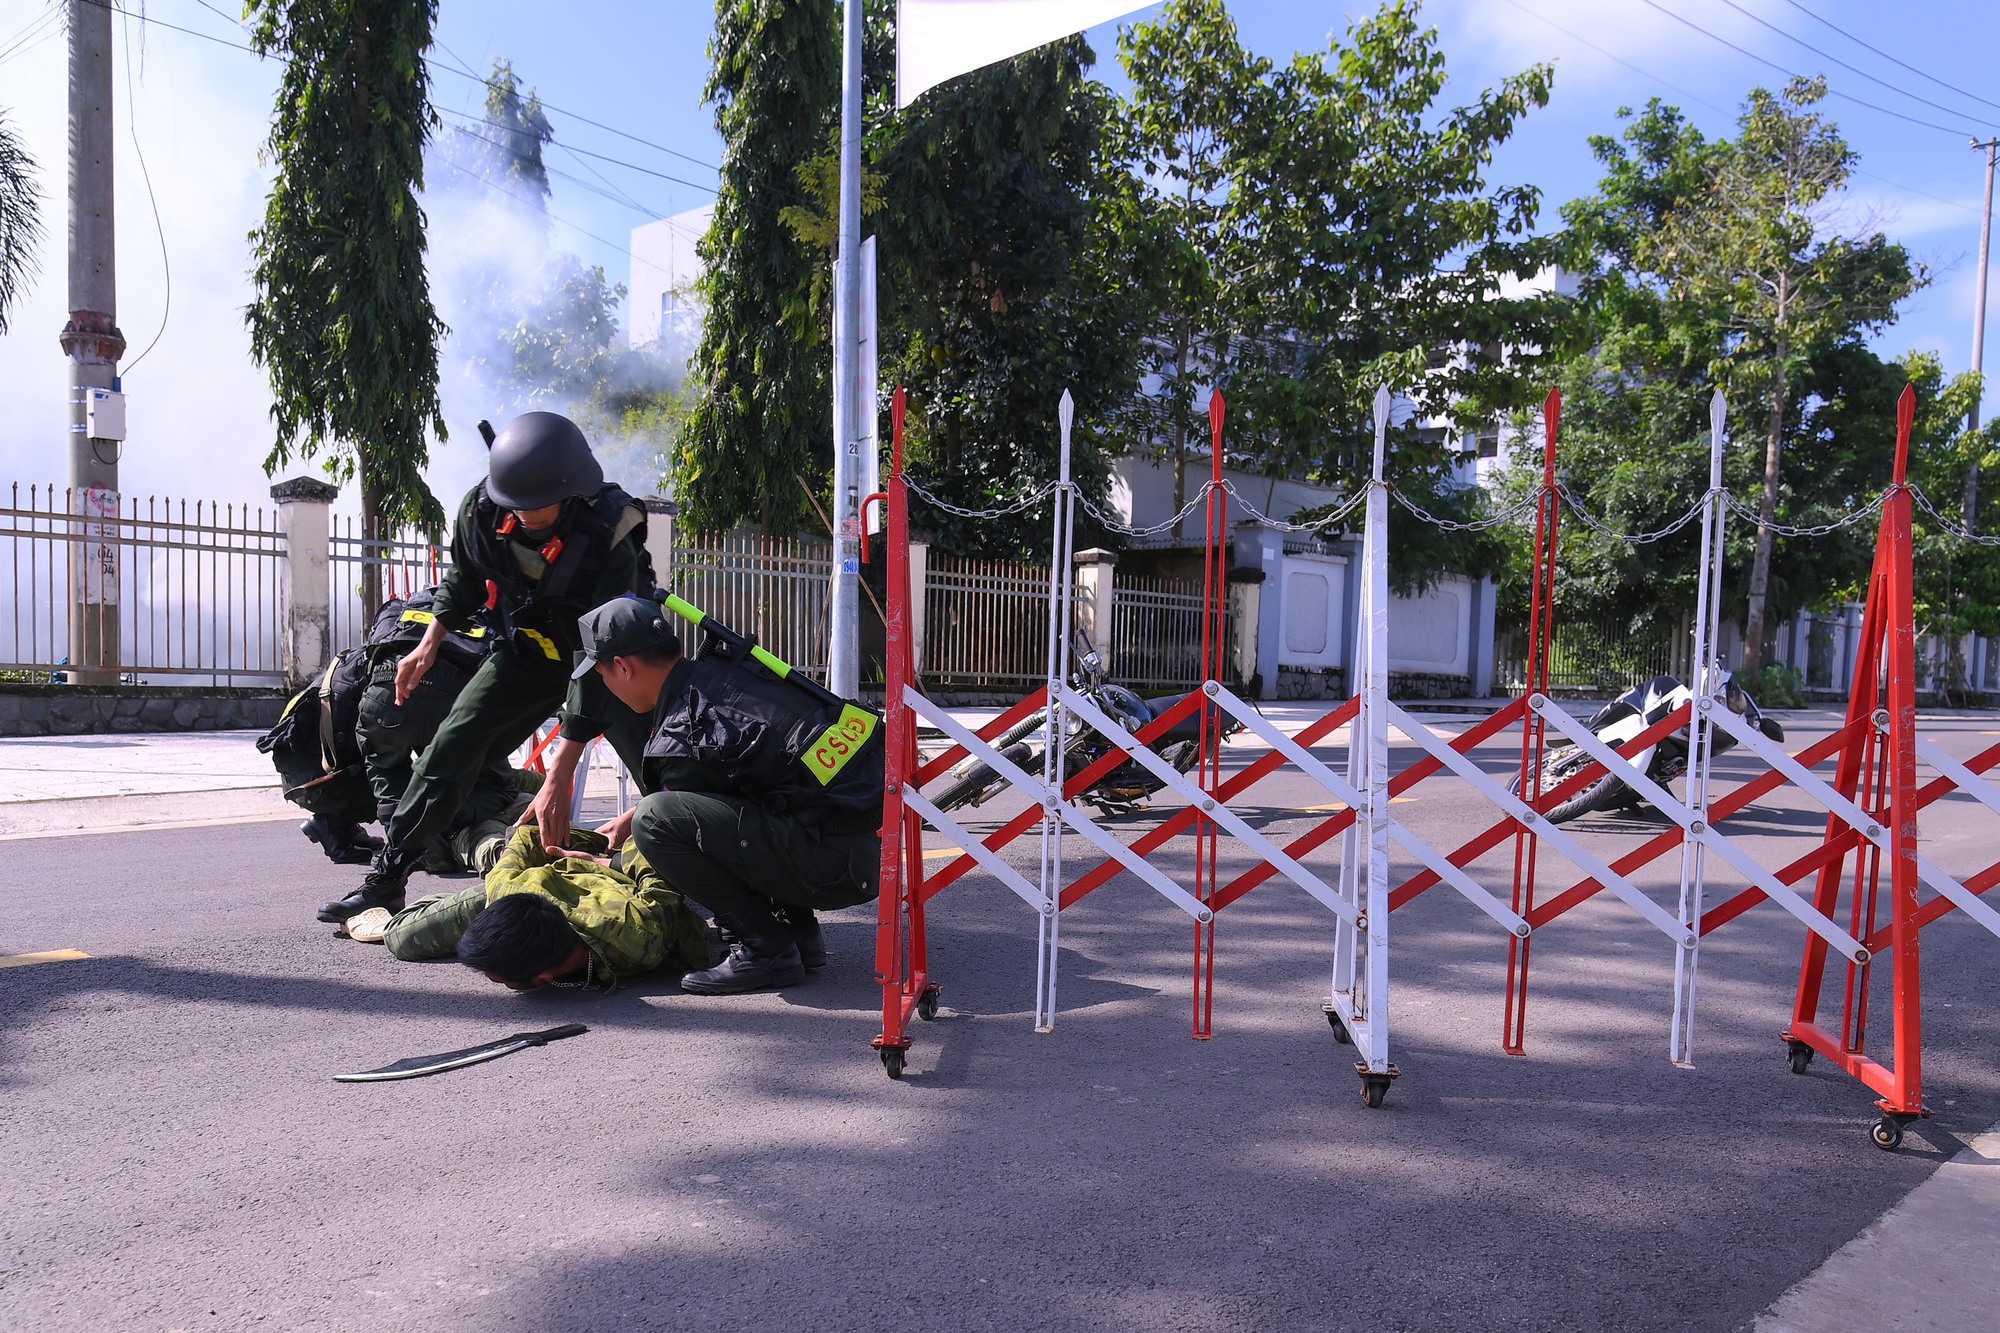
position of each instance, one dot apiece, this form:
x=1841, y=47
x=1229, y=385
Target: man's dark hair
x=518, y=938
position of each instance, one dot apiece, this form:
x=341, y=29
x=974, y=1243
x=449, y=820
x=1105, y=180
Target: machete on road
x=419, y=1065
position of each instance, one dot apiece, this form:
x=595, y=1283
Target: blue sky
x=201, y=110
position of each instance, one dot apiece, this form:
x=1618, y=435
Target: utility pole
x=1971, y=509
x=843, y=670
x=93, y=344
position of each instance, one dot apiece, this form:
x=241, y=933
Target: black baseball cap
x=624, y=628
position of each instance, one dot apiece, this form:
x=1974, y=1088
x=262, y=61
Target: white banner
x=942, y=39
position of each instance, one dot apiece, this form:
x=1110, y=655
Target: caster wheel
x=927, y=1005
x=1373, y=1090
x=1886, y=1133
x=1340, y=1032
x=893, y=1060
x=1801, y=1057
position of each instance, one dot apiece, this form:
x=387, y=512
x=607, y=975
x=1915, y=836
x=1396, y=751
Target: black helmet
x=539, y=459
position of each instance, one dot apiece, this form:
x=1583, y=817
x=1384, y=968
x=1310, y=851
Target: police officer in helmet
x=556, y=539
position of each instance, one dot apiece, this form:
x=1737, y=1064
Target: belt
x=542, y=641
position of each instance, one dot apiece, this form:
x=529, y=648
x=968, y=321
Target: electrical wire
x=608, y=129
x=602, y=157
x=1646, y=74
x=1891, y=59
x=166, y=268
x=1793, y=74
x=1694, y=97
x=1824, y=55
x=493, y=185
x=38, y=32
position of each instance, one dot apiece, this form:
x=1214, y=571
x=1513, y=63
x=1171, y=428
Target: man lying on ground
x=539, y=920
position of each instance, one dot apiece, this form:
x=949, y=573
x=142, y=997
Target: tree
x=1184, y=129
x=1315, y=229
x=20, y=221
x=764, y=415
x=1756, y=249
x=1005, y=280
x=1637, y=362
x=342, y=320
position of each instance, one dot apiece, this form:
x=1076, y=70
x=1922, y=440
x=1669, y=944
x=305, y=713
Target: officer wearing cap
x=764, y=801
x=555, y=539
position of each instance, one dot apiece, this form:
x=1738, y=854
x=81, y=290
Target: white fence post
x=1246, y=601
x=305, y=631
x=660, y=537
x=1094, y=591
x=918, y=559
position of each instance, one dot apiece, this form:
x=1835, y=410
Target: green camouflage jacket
x=629, y=920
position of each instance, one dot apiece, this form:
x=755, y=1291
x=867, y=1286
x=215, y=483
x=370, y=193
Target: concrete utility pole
x=93, y=344
x=843, y=671
x=1971, y=509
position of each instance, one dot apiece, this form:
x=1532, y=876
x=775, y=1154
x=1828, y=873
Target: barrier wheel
x=1801, y=1056
x=1374, y=1087
x=927, y=1004
x=1340, y=1032
x=1886, y=1133
x=893, y=1060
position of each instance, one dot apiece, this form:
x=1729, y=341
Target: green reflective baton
x=700, y=619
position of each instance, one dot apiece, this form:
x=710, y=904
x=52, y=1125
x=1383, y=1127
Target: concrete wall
x=84, y=710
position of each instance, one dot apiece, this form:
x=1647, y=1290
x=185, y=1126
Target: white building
x=665, y=309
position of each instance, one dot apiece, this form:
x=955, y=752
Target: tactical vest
x=583, y=538
x=402, y=622
x=759, y=738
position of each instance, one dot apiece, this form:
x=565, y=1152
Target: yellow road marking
x=46, y=956
x=1329, y=809
x=942, y=851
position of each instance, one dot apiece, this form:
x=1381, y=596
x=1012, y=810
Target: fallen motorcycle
x=1623, y=719
x=1120, y=791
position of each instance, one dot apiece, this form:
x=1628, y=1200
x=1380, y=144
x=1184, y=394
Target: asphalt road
x=177, y=1156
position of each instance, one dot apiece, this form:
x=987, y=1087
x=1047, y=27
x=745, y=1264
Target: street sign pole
x=843, y=674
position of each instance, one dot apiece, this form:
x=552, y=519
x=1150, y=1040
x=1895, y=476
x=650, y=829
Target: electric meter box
x=104, y=414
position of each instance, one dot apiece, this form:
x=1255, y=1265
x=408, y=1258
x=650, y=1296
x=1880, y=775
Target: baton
x=702, y=620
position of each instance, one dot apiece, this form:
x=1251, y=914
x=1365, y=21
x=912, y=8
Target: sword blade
x=417, y=1066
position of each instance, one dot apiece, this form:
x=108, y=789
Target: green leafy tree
x=764, y=414
x=1757, y=250
x=1322, y=227
x=342, y=321
x=1186, y=129
x=1005, y=280
x=1637, y=363
x=20, y=221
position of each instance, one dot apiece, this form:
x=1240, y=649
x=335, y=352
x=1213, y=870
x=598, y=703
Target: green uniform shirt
x=632, y=923
x=462, y=588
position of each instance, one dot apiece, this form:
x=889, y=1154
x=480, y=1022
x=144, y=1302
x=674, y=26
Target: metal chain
x=1151, y=529
x=1849, y=519
x=1513, y=511
x=1962, y=533
x=1026, y=502
x=1603, y=529
x=1317, y=525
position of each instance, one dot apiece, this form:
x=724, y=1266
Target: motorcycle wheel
x=1557, y=765
x=980, y=782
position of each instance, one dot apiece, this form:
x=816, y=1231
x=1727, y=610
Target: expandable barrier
x=1872, y=802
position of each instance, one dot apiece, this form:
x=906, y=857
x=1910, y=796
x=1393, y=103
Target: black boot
x=805, y=932
x=762, y=956
x=381, y=887
x=344, y=844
